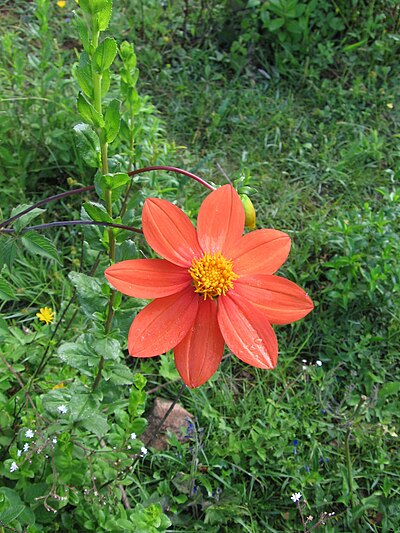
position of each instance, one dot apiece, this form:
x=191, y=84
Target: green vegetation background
x=302, y=104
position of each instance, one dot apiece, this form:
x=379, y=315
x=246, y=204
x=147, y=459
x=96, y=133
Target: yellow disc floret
x=212, y=275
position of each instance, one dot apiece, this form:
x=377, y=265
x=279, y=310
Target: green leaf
x=11, y=514
x=37, y=244
x=112, y=119
x=88, y=144
x=6, y=291
x=97, y=212
x=83, y=32
x=104, y=15
x=105, y=83
x=111, y=182
x=25, y=219
x=89, y=291
x=105, y=54
x=89, y=113
x=275, y=24
x=118, y=374
x=96, y=424
x=84, y=74
x=127, y=54
x=93, y=6
x=108, y=348
x=79, y=355
x=392, y=387
x=138, y=425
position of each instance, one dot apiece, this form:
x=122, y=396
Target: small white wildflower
x=19, y=453
x=318, y=363
x=296, y=497
x=304, y=367
x=143, y=451
x=13, y=466
x=62, y=409
x=26, y=447
x=133, y=436
x=54, y=441
x=29, y=434
x=304, y=361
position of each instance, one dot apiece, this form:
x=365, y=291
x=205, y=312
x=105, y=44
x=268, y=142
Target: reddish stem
x=177, y=171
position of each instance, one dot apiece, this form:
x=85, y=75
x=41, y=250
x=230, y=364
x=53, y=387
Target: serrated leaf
x=84, y=74
x=112, y=120
x=24, y=220
x=88, y=144
x=79, y=355
x=96, y=424
x=11, y=514
x=38, y=244
x=97, y=212
x=108, y=348
x=104, y=15
x=93, y=6
x=89, y=292
x=119, y=374
x=6, y=291
x=8, y=251
x=89, y=113
x=105, y=54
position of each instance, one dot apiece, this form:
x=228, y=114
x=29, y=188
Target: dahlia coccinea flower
x=213, y=286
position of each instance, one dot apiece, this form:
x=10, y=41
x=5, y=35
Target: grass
x=323, y=158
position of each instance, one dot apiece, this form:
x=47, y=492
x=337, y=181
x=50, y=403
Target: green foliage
x=318, y=159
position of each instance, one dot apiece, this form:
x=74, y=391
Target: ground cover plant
x=310, y=445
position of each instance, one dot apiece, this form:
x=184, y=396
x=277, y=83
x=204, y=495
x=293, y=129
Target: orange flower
x=213, y=287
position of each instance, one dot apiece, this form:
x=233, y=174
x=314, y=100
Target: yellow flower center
x=212, y=275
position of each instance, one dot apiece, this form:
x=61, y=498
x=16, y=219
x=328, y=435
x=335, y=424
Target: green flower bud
x=250, y=212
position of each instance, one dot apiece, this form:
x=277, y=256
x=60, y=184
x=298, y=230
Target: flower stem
x=174, y=169
x=73, y=223
x=44, y=202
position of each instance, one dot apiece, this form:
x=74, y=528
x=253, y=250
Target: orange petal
x=169, y=232
x=280, y=300
x=162, y=324
x=147, y=278
x=247, y=333
x=198, y=356
x=261, y=252
x=220, y=222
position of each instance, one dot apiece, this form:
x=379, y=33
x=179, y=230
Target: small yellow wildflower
x=59, y=385
x=46, y=314
x=61, y=3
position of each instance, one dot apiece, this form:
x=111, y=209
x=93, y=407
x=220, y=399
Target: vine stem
x=177, y=171
x=44, y=202
x=90, y=188
x=73, y=223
